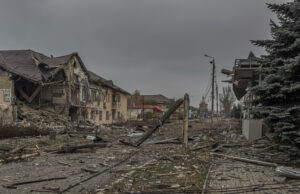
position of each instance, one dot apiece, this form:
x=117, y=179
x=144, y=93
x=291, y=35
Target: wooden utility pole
x=217, y=99
x=212, y=91
x=186, y=119
x=143, y=110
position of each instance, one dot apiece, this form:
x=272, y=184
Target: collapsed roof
x=32, y=65
x=106, y=83
x=243, y=74
x=38, y=68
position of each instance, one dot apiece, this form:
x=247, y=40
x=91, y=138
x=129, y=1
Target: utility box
x=252, y=129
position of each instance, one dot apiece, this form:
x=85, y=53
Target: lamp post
x=212, y=87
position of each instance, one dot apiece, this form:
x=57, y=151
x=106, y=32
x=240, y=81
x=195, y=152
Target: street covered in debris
x=157, y=166
x=143, y=96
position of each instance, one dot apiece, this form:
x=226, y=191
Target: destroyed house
x=61, y=85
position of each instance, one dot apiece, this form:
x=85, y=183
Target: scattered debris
x=89, y=170
x=165, y=141
x=287, y=172
x=68, y=148
x=19, y=157
x=245, y=160
x=34, y=181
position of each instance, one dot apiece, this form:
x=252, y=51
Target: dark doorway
x=73, y=113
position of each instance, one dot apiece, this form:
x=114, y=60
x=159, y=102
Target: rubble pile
x=43, y=118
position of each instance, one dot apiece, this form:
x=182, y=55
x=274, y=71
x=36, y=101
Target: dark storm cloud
x=156, y=46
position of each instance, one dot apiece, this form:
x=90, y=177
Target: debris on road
x=34, y=181
x=288, y=172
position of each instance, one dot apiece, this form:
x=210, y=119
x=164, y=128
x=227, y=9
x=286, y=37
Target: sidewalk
x=228, y=176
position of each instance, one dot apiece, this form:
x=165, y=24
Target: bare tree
x=137, y=98
x=227, y=99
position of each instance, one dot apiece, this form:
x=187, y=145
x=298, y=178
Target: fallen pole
x=97, y=174
x=34, y=181
x=163, y=119
x=245, y=160
x=165, y=141
x=73, y=148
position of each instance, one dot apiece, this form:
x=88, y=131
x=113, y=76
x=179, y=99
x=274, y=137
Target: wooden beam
x=33, y=95
x=23, y=94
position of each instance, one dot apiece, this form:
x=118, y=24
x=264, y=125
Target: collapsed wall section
x=6, y=98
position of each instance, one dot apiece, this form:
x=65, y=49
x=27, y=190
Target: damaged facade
x=60, y=85
x=245, y=74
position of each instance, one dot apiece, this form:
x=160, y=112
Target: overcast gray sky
x=155, y=46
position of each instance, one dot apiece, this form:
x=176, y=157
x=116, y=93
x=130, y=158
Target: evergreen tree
x=277, y=96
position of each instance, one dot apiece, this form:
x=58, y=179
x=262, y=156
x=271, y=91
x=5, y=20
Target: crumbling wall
x=6, y=98
x=107, y=107
x=101, y=106
x=95, y=104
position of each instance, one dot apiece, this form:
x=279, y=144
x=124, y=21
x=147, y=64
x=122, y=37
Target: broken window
x=98, y=98
x=74, y=64
x=93, y=95
x=83, y=94
x=74, y=96
x=93, y=115
x=100, y=115
x=6, y=95
x=107, y=115
x=107, y=97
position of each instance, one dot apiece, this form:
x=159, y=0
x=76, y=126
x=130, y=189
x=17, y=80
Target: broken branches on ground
x=245, y=160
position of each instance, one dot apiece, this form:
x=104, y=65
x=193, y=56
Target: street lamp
x=212, y=87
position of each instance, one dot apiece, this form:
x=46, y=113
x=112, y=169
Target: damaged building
x=40, y=89
x=244, y=75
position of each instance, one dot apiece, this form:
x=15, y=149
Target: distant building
x=150, y=111
x=158, y=100
x=193, y=111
